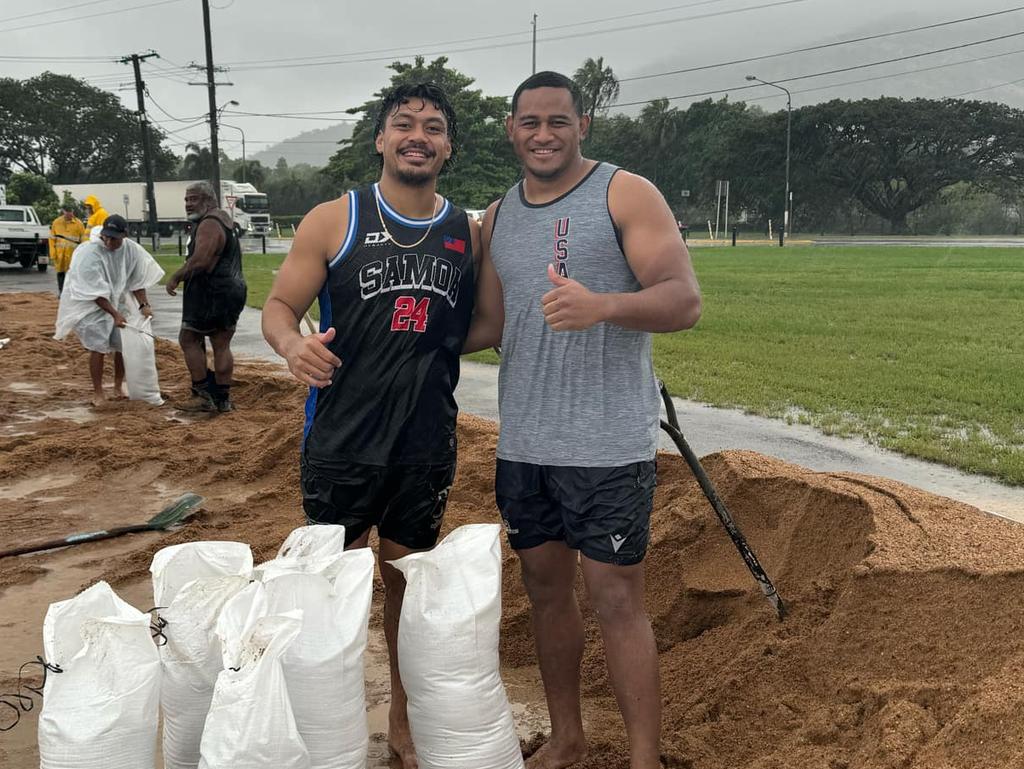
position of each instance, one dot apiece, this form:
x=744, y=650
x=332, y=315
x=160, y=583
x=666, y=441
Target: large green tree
x=485, y=166
x=28, y=189
x=68, y=131
x=294, y=190
x=895, y=155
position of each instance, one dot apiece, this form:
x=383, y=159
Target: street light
x=220, y=112
x=224, y=106
x=789, y=123
x=228, y=125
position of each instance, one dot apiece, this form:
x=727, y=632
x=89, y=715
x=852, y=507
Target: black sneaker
x=201, y=401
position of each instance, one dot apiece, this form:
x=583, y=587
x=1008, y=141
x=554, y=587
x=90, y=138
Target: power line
x=90, y=16
x=987, y=88
x=76, y=59
x=168, y=114
x=831, y=71
x=421, y=52
x=297, y=114
x=76, y=7
x=294, y=117
x=820, y=47
x=479, y=38
x=898, y=74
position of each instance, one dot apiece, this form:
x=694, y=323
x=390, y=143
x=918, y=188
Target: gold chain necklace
x=380, y=215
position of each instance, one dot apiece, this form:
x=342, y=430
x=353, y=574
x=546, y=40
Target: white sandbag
x=138, y=349
x=175, y=566
x=448, y=653
x=304, y=550
x=323, y=667
x=102, y=711
x=191, y=661
x=250, y=724
x=191, y=656
x=319, y=539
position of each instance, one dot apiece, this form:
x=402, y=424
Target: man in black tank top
x=215, y=294
x=392, y=266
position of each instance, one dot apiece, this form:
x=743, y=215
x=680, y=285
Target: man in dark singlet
x=215, y=294
x=392, y=265
x=582, y=261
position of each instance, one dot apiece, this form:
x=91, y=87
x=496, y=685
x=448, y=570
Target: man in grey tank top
x=582, y=261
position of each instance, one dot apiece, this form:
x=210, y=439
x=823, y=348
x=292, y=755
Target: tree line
x=867, y=165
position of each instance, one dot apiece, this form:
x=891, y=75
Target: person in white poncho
x=107, y=282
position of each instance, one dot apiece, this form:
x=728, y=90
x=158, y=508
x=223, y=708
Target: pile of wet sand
x=903, y=647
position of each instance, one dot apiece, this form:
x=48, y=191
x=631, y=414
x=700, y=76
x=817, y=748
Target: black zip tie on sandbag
x=156, y=627
x=20, y=702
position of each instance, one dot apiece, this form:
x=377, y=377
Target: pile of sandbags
x=262, y=667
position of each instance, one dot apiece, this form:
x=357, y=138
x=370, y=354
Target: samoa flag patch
x=458, y=245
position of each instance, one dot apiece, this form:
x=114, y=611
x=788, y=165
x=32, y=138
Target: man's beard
x=194, y=216
x=418, y=178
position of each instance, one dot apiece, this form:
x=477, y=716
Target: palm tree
x=599, y=85
x=197, y=163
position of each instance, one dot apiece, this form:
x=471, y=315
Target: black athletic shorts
x=405, y=502
x=604, y=512
x=207, y=309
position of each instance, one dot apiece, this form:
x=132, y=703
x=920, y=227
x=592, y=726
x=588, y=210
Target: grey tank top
x=569, y=398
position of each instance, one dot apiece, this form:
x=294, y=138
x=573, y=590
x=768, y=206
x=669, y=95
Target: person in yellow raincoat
x=95, y=211
x=66, y=232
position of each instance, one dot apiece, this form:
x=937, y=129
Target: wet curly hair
x=427, y=92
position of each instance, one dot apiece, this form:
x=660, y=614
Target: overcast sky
x=302, y=56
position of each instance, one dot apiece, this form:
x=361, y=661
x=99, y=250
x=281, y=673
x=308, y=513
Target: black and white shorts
x=604, y=512
x=405, y=502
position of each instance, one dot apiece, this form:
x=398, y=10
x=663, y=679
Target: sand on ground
x=904, y=644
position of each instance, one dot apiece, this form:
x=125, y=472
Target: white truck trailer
x=248, y=206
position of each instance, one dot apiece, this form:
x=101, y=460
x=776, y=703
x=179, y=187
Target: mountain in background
x=313, y=147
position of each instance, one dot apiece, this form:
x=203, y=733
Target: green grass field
x=919, y=350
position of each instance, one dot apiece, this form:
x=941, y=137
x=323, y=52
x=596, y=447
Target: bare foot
x=400, y=743
x=120, y=391
x=98, y=399
x=552, y=756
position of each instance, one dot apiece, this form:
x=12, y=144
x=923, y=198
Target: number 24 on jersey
x=410, y=315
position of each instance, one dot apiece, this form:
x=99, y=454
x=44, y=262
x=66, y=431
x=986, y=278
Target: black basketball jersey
x=401, y=315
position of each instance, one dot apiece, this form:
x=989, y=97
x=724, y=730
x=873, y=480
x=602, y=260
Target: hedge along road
x=753, y=275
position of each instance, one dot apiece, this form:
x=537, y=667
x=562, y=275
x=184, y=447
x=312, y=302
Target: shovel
x=672, y=428
x=176, y=512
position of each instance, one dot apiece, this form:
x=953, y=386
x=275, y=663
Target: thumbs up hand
x=570, y=306
x=310, y=360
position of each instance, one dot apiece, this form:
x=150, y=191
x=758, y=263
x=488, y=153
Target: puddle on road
x=32, y=485
x=23, y=422
x=30, y=388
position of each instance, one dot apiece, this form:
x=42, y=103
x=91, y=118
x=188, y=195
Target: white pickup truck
x=23, y=239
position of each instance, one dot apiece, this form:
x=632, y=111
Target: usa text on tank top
x=401, y=315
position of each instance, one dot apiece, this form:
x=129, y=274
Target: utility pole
x=147, y=152
x=212, y=92
x=211, y=86
x=534, y=70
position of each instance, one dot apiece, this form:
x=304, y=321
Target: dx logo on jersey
x=376, y=238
